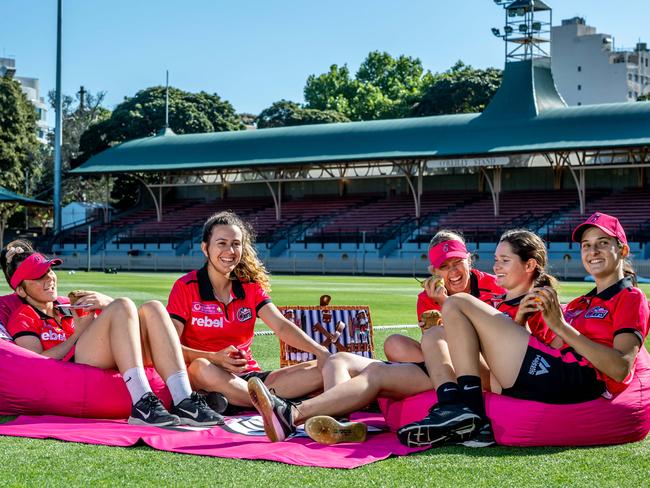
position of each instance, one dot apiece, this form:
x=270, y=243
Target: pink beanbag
x=516, y=422
x=32, y=384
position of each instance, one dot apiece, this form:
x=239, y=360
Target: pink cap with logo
x=32, y=268
x=444, y=250
x=608, y=224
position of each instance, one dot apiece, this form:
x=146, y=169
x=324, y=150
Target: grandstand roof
x=7, y=196
x=527, y=115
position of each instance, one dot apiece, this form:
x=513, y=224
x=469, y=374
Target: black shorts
x=421, y=365
x=262, y=375
x=549, y=375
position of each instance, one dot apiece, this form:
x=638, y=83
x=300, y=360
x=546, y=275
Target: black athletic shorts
x=555, y=376
x=421, y=365
x=255, y=374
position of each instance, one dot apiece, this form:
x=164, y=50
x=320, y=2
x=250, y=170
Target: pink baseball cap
x=32, y=268
x=608, y=224
x=444, y=250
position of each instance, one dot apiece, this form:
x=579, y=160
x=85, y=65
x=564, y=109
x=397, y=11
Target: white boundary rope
x=376, y=327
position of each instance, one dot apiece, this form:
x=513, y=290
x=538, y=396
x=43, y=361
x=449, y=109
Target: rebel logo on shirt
x=244, y=314
x=209, y=308
x=50, y=335
x=596, y=313
x=207, y=321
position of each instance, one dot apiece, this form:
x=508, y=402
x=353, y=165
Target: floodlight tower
x=527, y=29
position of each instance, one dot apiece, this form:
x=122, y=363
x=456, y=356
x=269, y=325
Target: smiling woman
x=600, y=334
x=114, y=335
x=214, y=310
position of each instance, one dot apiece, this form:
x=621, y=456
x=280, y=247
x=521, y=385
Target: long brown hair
x=528, y=245
x=250, y=268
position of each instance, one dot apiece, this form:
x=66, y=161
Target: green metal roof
x=526, y=115
x=9, y=196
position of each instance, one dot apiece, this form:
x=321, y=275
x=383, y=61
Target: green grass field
x=392, y=301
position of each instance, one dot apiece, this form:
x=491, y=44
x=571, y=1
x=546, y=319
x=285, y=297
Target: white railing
x=354, y=265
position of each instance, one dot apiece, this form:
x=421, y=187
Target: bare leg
x=296, y=381
x=112, y=339
x=161, y=346
x=436, y=356
x=209, y=377
x=472, y=327
x=401, y=348
x=393, y=380
x=343, y=366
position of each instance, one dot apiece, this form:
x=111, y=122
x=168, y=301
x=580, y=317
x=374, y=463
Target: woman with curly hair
x=215, y=308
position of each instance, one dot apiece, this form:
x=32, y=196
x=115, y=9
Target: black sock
x=471, y=394
x=448, y=393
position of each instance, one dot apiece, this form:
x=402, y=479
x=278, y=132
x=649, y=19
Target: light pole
x=58, y=129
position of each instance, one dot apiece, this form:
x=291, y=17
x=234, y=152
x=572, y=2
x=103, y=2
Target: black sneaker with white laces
x=483, y=438
x=444, y=423
x=275, y=412
x=149, y=410
x=195, y=411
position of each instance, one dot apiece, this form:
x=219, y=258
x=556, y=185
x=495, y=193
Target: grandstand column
x=157, y=203
x=277, y=198
x=495, y=186
x=408, y=173
x=579, y=178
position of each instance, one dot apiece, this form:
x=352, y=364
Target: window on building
x=629, y=94
x=629, y=76
x=579, y=87
x=636, y=78
x=580, y=68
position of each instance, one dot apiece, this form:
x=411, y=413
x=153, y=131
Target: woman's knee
x=397, y=346
x=123, y=305
x=198, y=368
x=152, y=309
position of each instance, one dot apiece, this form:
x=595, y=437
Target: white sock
x=179, y=386
x=137, y=383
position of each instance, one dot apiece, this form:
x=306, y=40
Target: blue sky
x=256, y=52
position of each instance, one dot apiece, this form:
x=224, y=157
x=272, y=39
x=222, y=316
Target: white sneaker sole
x=136, y=421
x=431, y=435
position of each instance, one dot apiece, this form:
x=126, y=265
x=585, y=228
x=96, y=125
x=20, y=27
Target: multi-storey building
x=31, y=89
x=589, y=69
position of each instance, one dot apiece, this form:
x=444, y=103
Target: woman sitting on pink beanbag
x=602, y=333
x=121, y=337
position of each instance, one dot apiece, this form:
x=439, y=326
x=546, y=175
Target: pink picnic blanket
x=240, y=438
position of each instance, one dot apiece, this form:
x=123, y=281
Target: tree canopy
x=285, y=113
x=383, y=87
x=18, y=141
x=144, y=115
x=461, y=89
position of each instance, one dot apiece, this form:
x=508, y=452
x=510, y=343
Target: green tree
x=144, y=115
x=77, y=116
x=383, y=87
x=461, y=89
x=285, y=113
x=19, y=147
x=18, y=141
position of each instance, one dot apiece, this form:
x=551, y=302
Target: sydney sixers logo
x=209, y=308
x=244, y=314
x=597, y=313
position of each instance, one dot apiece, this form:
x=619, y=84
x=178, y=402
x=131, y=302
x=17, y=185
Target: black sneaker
x=275, y=412
x=450, y=422
x=216, y=401
x=195, y=411
x=484, y=438
x=149, y=410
